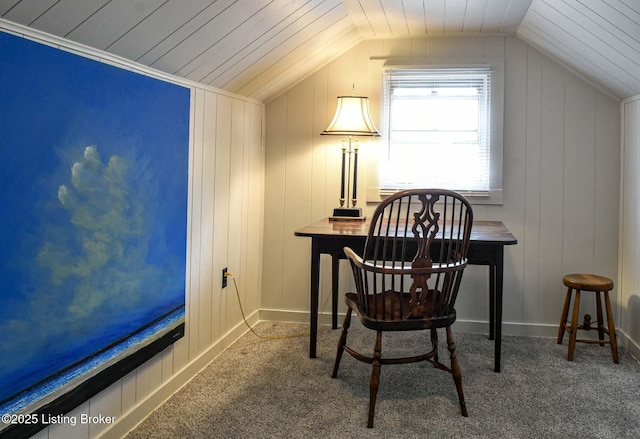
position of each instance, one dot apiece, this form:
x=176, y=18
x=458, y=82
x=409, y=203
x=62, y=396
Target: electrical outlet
x=224, y=277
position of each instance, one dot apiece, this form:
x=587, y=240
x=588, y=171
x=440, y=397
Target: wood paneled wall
x=560, y=190
x=225, y=223
x=630, y=225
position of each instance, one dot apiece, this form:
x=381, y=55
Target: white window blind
x=436, y=129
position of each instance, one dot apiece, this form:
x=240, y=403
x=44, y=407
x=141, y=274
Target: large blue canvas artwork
x=94, y=183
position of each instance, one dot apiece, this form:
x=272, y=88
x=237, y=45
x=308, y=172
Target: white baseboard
x=508, y=328
x=129, y=420
x=632, y=347
x=461, y=325
x=469, y=326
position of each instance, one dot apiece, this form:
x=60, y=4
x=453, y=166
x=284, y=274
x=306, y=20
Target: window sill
x=493, y=197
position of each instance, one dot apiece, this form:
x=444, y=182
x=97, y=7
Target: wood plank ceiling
x=598, y=38
x=403, y=18
x=259, y=48
x=252, y=47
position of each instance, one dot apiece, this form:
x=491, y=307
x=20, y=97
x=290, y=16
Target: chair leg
x=455, y=371
x=600, y=320
x=342, y=342
x=375, y=378
x=563, y=317
x=434, y=343
x=612, y=328
x=574, y=326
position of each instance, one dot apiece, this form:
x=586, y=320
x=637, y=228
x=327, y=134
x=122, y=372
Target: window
x=438, y=130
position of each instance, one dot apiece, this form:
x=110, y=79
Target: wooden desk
x=488, y=239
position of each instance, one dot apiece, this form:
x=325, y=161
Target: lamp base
x=347, y=214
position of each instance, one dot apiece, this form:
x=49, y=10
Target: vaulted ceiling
x=258, y=48
x=598, y=38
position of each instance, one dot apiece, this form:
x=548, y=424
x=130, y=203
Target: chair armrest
x=353, y=256
x=356, y=260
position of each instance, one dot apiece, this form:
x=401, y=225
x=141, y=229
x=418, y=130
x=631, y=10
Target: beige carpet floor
x=271, y=389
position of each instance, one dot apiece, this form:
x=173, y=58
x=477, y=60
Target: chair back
x=414, y=256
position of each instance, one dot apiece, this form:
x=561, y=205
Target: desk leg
x=499, y=272
x=315, y=287
x=492, y=299
x=335, y=275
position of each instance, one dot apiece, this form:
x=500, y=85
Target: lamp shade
x=352, y=118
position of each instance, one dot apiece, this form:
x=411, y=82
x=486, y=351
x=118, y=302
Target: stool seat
x=588, y=282
x=599, y=285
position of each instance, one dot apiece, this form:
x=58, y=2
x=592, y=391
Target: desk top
x=482, y=232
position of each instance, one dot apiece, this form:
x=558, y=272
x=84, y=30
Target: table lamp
x=352, y=119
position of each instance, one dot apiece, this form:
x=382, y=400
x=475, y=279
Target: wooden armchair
x=408, y=277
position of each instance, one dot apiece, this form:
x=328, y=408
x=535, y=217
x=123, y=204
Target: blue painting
x=94, y=183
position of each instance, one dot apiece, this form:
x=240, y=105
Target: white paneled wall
x=560, y=192
x=225, y=222
x=630, y=225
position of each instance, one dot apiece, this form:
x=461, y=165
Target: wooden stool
x=597, y=284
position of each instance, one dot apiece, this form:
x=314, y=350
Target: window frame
x=496, y=66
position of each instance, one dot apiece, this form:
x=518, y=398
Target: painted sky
x=93, y=181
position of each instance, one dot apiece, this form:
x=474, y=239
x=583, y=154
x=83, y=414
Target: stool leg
x=612, y=328
x=565, y=314
x=574, y=326
x=599, y=315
